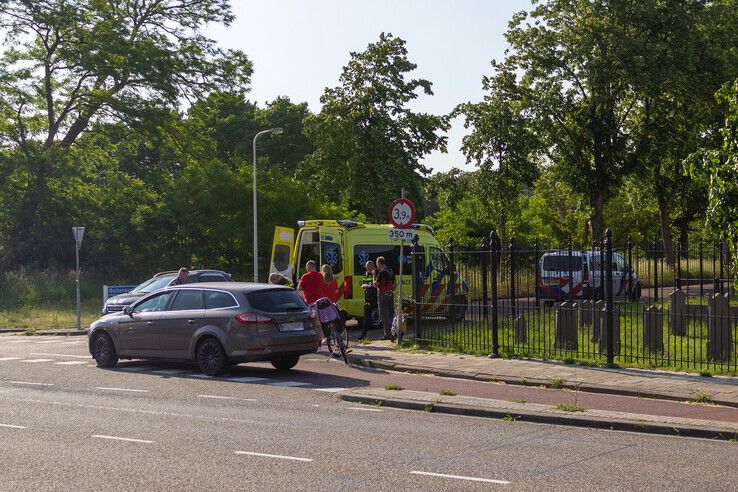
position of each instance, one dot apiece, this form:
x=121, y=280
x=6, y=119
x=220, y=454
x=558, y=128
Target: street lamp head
x=275, y=131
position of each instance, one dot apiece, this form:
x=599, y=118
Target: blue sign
x=114, y=290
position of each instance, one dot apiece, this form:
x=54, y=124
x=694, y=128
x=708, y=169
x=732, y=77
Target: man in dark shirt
x=182, y=277
x=370, y=298
x=385, y=285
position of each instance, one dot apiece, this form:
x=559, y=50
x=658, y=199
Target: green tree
x=502, y=143
x=69, y=64
x=368, y=143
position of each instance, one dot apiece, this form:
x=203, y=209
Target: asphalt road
x=66, y=425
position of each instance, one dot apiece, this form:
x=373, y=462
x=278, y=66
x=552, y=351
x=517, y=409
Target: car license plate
x=294, y=326
x=552, y=281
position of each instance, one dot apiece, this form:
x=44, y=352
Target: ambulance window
x=438, y=258
x=281, y=257
x=331, y=255
x=309, y=250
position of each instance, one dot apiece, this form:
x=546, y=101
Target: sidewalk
x=633, y=382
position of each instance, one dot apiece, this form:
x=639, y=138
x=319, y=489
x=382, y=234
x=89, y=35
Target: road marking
x=18, y=341
x=32, y=384
x=70, y=363
x=289, y=384
x=11, y=426
x=330, y=390
x=63, y=355
x=34, y=361
x=247, y=380
x=278, y=456
x=461, y=477
x=169, y=372
x=48, y=341
x=122, y=389
x=365, y=409
x=127, y=439
x=8, y=358
x=217, y=397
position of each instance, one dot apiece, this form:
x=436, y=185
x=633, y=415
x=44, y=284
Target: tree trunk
x=684, y=239
x=377, y=206
x=668, y=241
x=597, y=219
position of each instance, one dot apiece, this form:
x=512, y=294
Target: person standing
x=183, y=277
x=370, y=297
x=385, y=285
x=330, y=284
x=310, y=288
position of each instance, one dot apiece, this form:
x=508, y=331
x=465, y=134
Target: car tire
x=285, y=363
x=210, y=356
x=103, y=351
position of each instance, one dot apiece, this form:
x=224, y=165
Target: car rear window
x=276, y=301
x=560, y=263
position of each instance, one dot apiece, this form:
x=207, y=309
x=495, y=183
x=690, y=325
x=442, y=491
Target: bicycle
x=333, y=326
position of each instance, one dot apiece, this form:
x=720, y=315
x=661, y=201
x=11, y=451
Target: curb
x=678, y=430
x=391, y=366
x=61, y=332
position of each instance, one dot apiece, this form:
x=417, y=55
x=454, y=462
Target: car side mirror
x=128, y=310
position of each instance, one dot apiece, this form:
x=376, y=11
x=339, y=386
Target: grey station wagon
x=215, y=324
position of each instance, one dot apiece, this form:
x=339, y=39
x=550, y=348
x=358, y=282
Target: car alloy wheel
x=104, y=351
x=210, y=357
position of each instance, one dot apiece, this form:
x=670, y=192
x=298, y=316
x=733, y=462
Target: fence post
x=702, y=273
x=630, y=267
x=417, y=286
x=512, y=278
x=494, y=243
x=655, y=270
x=721, y=246
x=571, y=273
x=451, y=275
x=485, y=260
x=601, y=293
x=608, y=297
x=678, y=278
x=535, y=265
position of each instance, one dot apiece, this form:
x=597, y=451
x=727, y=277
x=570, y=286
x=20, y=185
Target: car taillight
x=348, y=287
x=253, y=319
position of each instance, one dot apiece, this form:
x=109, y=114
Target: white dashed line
x=34, y=361
x=47, y=341
x=30, y=383
x=247, y=380
x=63, y=355
x=289, y=384
x=329, y=390
x=127, y=439
x=461, y=477
x=217, y=397
x=278, y=456
x=11, y=426
x=121, y=389
x=365, y=409
x=8, y=358
x=70, y=363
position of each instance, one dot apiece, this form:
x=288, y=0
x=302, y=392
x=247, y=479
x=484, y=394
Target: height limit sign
x=402, y=213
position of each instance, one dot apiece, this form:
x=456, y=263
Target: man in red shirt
x=311, y=283
x=311, y=289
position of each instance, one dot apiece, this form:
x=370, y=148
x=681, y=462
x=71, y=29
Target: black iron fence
x=629, y=305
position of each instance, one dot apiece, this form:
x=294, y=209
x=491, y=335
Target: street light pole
x=274, y=131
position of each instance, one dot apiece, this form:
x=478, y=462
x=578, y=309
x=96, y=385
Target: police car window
x=281, y=257
x=187, y=299
x=330, y=254
x=560, y=263
x=152, y=304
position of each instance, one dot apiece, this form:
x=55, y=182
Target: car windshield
x=153, y=284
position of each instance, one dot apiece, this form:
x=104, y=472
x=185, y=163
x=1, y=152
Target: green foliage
x=368, y=143
x=394, y=387
x=568, y=408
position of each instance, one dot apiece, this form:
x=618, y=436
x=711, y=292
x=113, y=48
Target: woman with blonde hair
x=330, y=284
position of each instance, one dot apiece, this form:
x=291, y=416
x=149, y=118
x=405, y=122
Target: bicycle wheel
x=338, y=341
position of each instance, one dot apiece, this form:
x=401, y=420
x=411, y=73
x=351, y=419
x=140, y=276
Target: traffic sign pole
x=78, y=233
x=402, y=216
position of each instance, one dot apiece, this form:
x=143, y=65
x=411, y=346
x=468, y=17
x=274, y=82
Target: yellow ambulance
x=347, y=245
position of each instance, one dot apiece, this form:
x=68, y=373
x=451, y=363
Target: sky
x=298, y=48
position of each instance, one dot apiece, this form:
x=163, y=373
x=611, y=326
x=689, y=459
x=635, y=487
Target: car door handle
x=192, y=321
x=150, y=323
